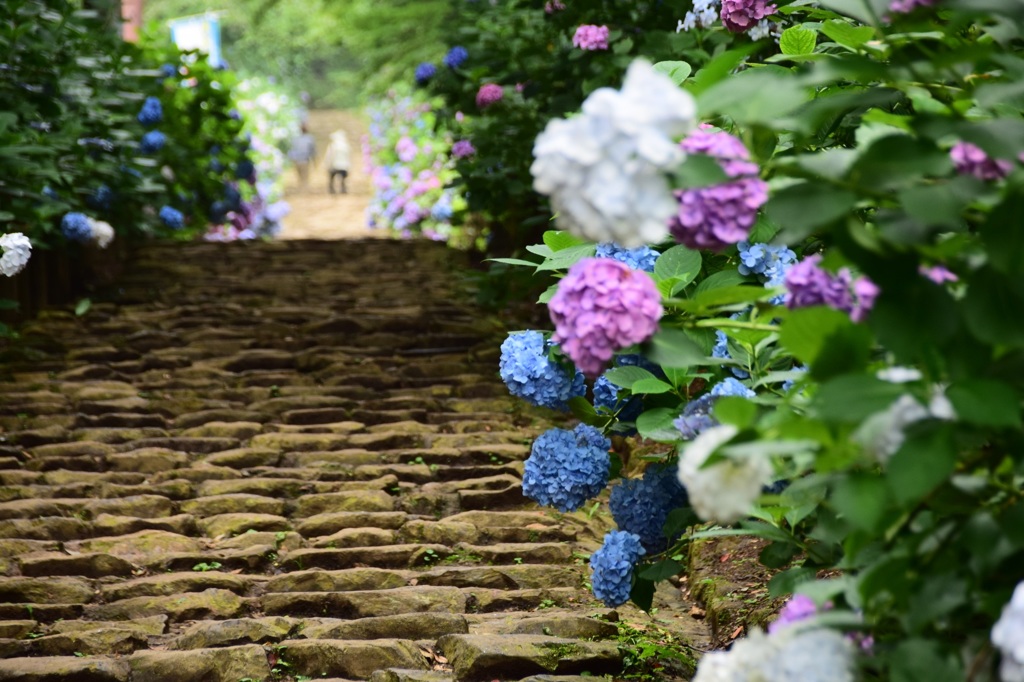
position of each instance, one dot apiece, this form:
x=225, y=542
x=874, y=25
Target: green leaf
x=854, y=397
x=862, y=500
x=679, y=263
x=797, y=40
x=778, y=554
x=645, y=386
x=992, y=308
x=719, y=280
x=939, y=205
x=761, y=95
x=548, y=294
x=922, y=463
x=83, y=307
x=584, y=411
x=718, y=69
x=703, y=301
x=673, y=348
x=847, y=34
x=513, y=261
x=804, y=330
x=677, y=71
x=802, y=208
x=567, y=257
x=917, y=659
x=558, y=240
x=678, y=521
x=699, y=170
x=789, y=580
x=626, y=376
x=985, y=402
x=1003, y=236
x=896, y=161
x=735, y=410
x=642, y=594
x=663, y=570
x=657, y=425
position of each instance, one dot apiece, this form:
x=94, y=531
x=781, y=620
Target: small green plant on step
x=204, y=566
x=650, y=653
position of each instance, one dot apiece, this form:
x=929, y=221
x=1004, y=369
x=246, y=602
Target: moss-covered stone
x=229, y=664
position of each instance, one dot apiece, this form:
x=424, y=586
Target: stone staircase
x=281, y=461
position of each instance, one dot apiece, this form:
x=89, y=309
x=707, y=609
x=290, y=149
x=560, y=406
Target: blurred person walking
x=302, y=154
x=337, y=160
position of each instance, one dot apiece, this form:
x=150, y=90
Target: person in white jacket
x=337, y=160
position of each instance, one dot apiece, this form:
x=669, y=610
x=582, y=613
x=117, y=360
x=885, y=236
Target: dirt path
x=316, y=214
x=259, y=463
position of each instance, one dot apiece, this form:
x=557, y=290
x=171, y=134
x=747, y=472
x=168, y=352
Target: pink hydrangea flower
x=939, y=274
x=905, y=6
x=715, y=217
x=740, y=16
x=600, y=307
x=591, y=37
x=488, y=94
x=552, y=6
x=406, y=149
x=972, y=160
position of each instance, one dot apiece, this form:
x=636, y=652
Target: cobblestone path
x=280, y=461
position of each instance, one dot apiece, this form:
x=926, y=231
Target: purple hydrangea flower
x=552, y=6
x=424, y=72
x=612, y=567
x=715, y=217
x=463, y=148
x=600, y=307
x=456, y=57
x=641, y=505
x=406, y=149
x=567, y=468
x=905, y=6
x=742, y=15
x=808, y=284
x=939, y=274
x=591, y=37
x=972, y=160
x=696, y=416
x=799, y=607
x=488, y=94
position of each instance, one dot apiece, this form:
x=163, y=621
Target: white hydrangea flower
x=102, y=233
x=883, y=433
x=707, y=12
x=17, y=251
x=605, y=169
x=725, y=491
x=1008, y=636
x=808, y=655
x=899, y=375
x=760, y=30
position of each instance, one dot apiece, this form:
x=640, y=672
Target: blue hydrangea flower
x=172, y=217
x=641, y=505
x=50, y=193
x=456, y=57
x=152, y=142
x=218, y=212
x=168, y=71
x=788, y=384
x=567, y=468
x=769, y=263
x=721, y=348
x=232, y=198
x=531, y=375
x=731, y=387
x=612, y=567
x=101, y=198
x=152, y=112
x=442, y=210
x=76, y=227
x=606, y=395
x=245, y=170
x=696, y=416
x=640, y=258
x=424, y=72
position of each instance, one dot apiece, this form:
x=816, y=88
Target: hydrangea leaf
x=663, y=570
x=734, y=410
x=642, y=594
x=847, y=34
x=985, y=402
x=673, y=348
x=854, y=397
x=922, y=463
x=657, y=425
x=677, y=71
x=862, y=500
x=797, y=40
x=557, y=240
x=651, y=386
x=679, y=263
x=806, y=206
x=625, y=377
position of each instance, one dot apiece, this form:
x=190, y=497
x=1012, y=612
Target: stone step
x=487, y=657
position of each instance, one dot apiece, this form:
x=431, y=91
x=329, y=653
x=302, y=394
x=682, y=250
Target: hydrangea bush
x=409, y=160
x=836, y=361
